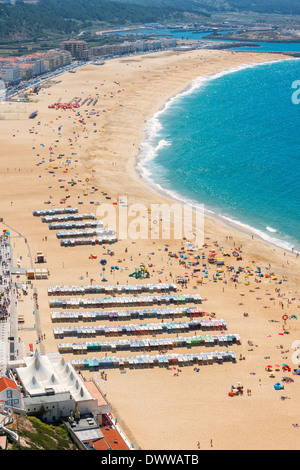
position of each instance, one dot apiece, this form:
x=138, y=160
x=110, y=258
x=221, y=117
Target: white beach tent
x=39, y=375
x=43, y=372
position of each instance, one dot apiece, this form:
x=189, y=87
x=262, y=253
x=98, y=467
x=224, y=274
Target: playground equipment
x=141, y=273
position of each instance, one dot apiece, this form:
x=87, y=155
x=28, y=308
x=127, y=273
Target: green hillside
x=260, y=6
x=36, y=435
x=50, y=17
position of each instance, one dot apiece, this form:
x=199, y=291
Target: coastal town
x=16, y=70
x=142, y=341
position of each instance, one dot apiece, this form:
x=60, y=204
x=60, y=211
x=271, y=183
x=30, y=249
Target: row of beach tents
x=77, y=225
x=121, y=315
x=131, y=329
x=89, y=231
x=118, y=288
x=159, y=360
x=148, y=344
x=96, y=232
x=124, y=301
x=53, y=212
x=66, y=218
x=105, y=239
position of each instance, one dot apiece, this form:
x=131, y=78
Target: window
x=8, y=393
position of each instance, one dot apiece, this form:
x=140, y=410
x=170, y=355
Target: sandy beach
x=61, y=158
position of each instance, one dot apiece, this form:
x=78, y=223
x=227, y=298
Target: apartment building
x=78, y=49
x=15, y=69
x=130, y=47
x=10, y=72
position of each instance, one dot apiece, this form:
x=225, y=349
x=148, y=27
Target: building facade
x=10, y=73
x=15, y=69
x=10, y=394
x=78, y=49
x=132, y=47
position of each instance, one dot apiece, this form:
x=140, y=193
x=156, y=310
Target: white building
x=50, y=383
x=10, y=74
x=2, y=98
x=10, y=394
x=54, y=406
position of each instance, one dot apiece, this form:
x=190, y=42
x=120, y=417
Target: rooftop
x=85, y=428
x=5, y=383
x=114, y=439
x=93, y=390
x=42, y=372
x=75, y=41
x=110, y=440
x=47, y=399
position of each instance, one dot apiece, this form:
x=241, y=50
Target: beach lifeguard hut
x=40, y=257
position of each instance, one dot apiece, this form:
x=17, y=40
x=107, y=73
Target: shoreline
x=231, y=224
x=32, y=176
x=172, y=194
x=264, y=41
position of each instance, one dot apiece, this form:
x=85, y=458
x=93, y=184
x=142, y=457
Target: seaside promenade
x=8, y=312
x=12, y=282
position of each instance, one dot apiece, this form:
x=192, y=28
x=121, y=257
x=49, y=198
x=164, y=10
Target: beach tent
x=278, y=386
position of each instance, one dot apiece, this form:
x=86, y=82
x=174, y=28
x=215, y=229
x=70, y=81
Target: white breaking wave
x=270, y=229
x=260, y=233
x=147, y=153
x=149, y=149
x=163, y=143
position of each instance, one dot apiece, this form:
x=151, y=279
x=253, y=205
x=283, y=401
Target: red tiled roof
x=111, y=441
x=114, y=439
x=99, y=444
x=5, y=383
x=73, y=41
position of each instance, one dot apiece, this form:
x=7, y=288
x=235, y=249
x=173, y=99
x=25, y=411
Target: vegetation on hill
x=36, y=435
x=69, y=17
x=286, y=7
x=261, y=6
x=51, y=20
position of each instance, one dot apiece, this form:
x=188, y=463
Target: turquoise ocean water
x=232, y=142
